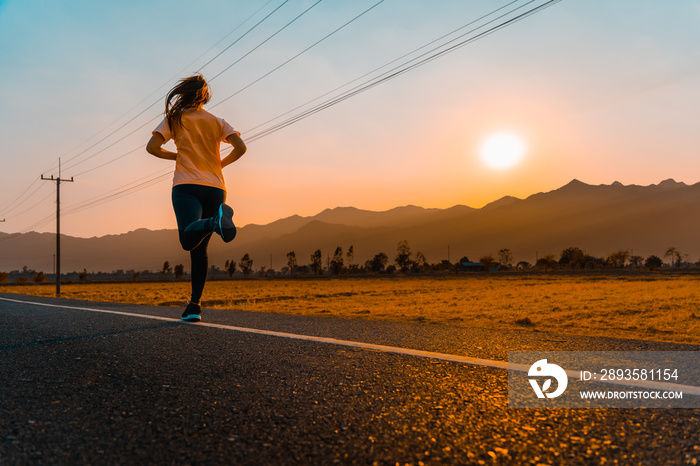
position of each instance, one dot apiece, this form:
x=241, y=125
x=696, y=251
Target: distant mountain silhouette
x=598, y=219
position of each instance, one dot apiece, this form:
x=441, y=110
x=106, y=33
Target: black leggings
x=195, y=206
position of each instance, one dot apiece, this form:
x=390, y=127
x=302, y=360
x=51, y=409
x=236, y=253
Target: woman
x=199, y=190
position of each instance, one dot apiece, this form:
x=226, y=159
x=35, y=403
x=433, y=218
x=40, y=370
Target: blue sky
x=597, y=90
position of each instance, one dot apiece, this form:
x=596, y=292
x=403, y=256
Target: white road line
x=689, y=389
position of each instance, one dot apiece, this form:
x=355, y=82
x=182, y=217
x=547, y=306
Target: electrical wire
x=11, y=203
x=369, y=73
x=404, y=68
x=300, y=53
x=121, y=191
x=55, y=166
x=219, y=74
x=265, y=41
x=172, y=78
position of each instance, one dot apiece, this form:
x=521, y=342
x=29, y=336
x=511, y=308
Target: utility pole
x=58, y=223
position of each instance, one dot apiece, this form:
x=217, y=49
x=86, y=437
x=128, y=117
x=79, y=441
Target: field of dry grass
x=660, y=308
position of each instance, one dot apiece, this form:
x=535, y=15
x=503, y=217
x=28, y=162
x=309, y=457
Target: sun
x=502, y=150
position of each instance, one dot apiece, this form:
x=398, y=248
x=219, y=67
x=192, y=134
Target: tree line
x=406, y=262
x=343, y=262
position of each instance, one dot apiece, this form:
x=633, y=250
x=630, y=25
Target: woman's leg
x=211, y=200
x=195, y=206
x=188, y=207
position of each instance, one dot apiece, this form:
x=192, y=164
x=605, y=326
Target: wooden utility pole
x=58, y=181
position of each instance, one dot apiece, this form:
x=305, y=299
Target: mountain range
x=599, y=219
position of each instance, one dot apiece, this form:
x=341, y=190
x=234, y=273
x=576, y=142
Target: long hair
x=189, y=93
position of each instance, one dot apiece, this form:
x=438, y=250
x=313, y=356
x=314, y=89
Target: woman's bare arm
x=154, y=147
x=239, y=148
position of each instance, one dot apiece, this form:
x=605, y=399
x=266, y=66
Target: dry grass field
x=660, y=308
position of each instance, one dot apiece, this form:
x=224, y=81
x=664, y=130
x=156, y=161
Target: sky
x=595, y=90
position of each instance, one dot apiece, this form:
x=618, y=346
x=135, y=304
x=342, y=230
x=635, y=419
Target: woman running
x=199, y=190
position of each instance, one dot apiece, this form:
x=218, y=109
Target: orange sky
x=599, y=91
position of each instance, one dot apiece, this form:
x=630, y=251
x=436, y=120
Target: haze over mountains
x=598, y=219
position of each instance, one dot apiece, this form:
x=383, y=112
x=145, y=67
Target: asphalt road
x=80, y=387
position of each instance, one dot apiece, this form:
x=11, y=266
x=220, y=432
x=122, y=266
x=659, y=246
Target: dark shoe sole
x=227, y=229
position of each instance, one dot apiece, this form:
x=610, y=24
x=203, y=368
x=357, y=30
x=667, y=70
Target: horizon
x=601, y=220
x=507, y=196
x=591, y=90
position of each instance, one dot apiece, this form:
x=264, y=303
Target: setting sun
x=502, y=150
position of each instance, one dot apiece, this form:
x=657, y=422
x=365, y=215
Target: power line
x=167, y=83
x=226, y=69
x=40, y=201
x=53, y=167
x=155, y=103
x=300, y=53
x=8, y=208
x=265, y=41
x=246, y=33
x=402, y=69
x=121, y=191
x=252, y=83
x=369, y=73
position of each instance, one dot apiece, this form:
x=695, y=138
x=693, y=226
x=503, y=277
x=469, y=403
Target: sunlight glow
x=502, y=150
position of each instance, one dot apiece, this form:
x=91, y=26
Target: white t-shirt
x=198, y=138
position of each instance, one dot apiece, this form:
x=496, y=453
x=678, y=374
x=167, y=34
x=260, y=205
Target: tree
x=336, y=264
x=505, y=257
x=4, y=276
x=572, y=257
x=231, y=267
x=420, y=262
x=246, y=264
x=675, y=254
x=317, y=262
x=179, y=270
x=523, y=265
x=548, y=262
x=487, y=262
x=653, y=262
x=84, y=275
x=377, y=263
x=618, y=259
x=350, y=256
x=214, y=271
x=40, y=277
x=636, y=261
x=166, y=269
x=445, y=265
x=292, y=262
x=403, y=256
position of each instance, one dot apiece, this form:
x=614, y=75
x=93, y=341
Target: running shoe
x=224, y=223
x=193, y=313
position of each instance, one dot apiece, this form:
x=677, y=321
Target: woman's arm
x=239, y=148
x=154, y=147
